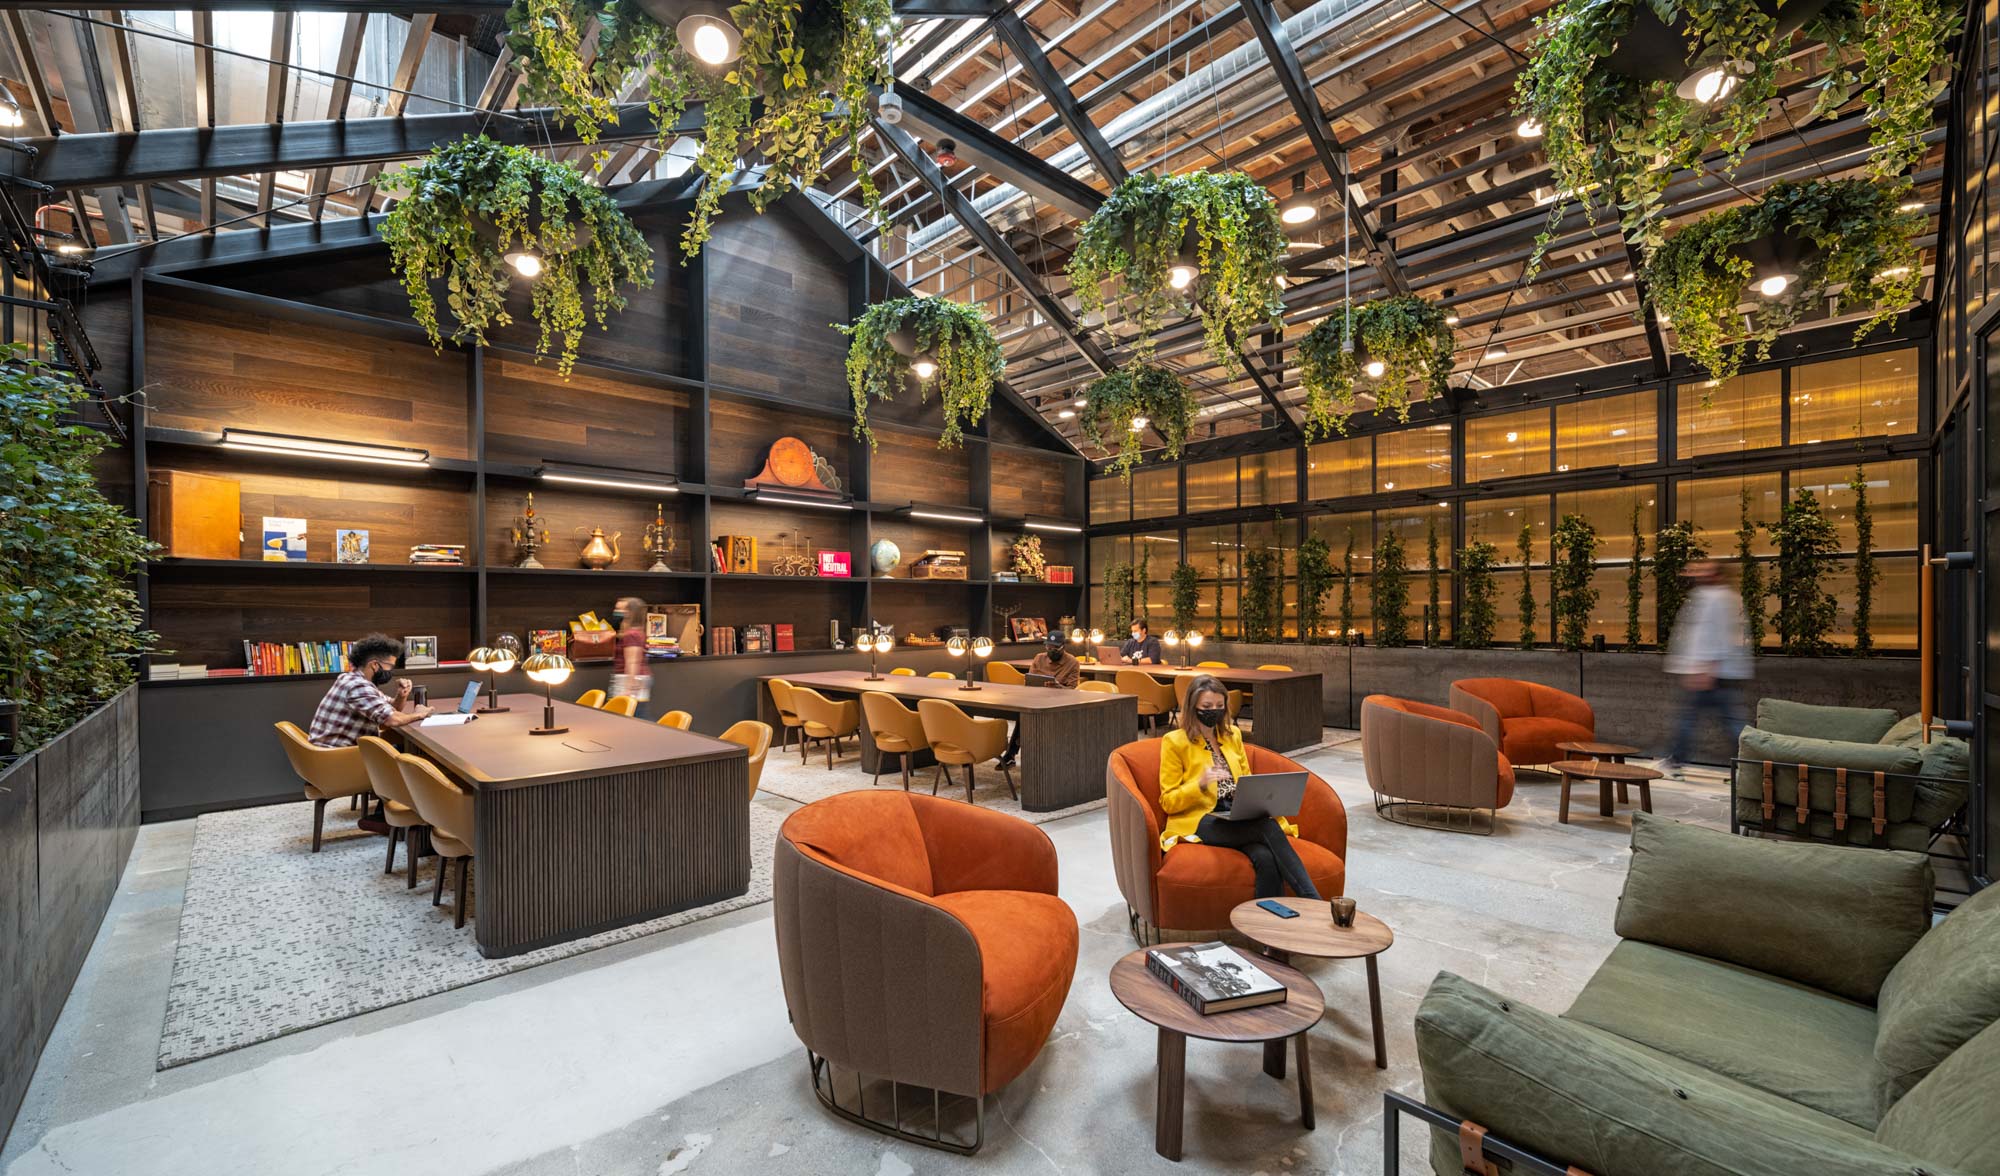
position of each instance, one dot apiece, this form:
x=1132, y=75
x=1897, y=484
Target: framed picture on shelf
x=350, y=547
x=1028, y=628
x=284, y=539
x=420, y=653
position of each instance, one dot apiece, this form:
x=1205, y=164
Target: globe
x=884, y=556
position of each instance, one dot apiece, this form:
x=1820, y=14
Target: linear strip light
x=551, y=474
x=945, y=516
x=291, y=446
x=1058, y=528
x=769, y=501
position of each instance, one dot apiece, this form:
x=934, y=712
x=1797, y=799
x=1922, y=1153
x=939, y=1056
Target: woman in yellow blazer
x=1199, y=763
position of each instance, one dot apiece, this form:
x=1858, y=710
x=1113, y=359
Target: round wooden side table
x=1314, y=933
x=1606, y=774
x=1271, y=1025
x=1590, y=749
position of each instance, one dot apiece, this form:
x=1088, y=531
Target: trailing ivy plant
x=951, y=335
x=1866, y=574
x=1433, y=610
x=1389, y=601
x=1346, y=633
x=70, y=625
x=471, y=202
x=1676, y=547
x=1635, y=581
x=800, y=85
x=1237, y=244
x=1477, y=615
x=1117, y=595
x=1142, y=574
x=1134, y=392
x=1316, y=577
x=1407, y=335
x=1806, y=544
x=1751, y=579
x=1859, y=238
x=1572, y=594
x=1260, y=596
x=1525, y=548
x=1186, y=595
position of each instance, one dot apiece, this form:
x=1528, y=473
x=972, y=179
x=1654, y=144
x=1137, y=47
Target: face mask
x=1211, y=717
x=617, y=614
x=1138, y=637
x=382, y=677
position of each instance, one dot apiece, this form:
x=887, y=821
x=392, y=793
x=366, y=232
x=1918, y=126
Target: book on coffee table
x=1213, y=977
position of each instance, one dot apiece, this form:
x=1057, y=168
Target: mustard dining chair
x=1005, y=674
x=823, y=719
x=622, y=704
x=1183, y=681
x=385, y=779
x=1156, y=698
x=1097, y=686
x=895, y=729
x=903, y=672
x=1211, y=665
x=788, y=713
x=1275, y=666
x=680, y=720
x=591, y=698
x=328, y=773
x=448, y=810
x=959, y=738
x=755, y=737
x=947, y=675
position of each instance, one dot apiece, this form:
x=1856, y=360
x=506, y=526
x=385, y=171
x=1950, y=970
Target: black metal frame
x=828, y=1097
x=1952, y=826
x=1519, y=1159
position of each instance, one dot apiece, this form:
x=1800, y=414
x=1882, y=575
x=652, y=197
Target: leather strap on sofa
x=1839, y=799
x=1881, y=804
x=1472, y=1150
x=1770, y=805
x=1803, y=786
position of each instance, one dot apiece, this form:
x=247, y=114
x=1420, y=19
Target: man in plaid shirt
x=355, y=705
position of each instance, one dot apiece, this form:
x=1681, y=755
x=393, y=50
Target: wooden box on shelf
x=195, y=516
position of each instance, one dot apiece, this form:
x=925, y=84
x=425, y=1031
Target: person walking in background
x=1710, y=655
x=633, y=676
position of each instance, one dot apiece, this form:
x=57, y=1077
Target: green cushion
x=1943, y=993
x=1823, y=756
x=1578, y=1096
x=1946, y=757
x=1908, y=732
x=1949, y=1119
x=1796, y=1042
x=1826, y=916
x=1853, y=724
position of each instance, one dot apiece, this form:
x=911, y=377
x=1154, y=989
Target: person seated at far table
x=1143, y=649
x=1200, y=760
x=368, y=698
x=1057, y=662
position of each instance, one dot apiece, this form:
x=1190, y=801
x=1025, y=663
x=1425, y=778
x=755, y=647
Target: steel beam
x=998, y=156
x=414, y=45
x=1019, y=38
x=23, y=44
x=277, y=84
x=1656, y=343
x=346, y=60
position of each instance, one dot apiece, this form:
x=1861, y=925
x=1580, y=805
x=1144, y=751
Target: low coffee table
x=1271, y=1025
x=1314, y=933
x=1606, y=774
x=1588, y=749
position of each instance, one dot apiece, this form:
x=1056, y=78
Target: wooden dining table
x=1288, y=712
x=612, y=822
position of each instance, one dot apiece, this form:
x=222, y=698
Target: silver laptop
x=1108, y=653
x=1267, y=794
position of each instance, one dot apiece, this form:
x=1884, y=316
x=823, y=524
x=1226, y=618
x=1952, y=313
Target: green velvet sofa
x=1840, y=750
x=1772, y=1009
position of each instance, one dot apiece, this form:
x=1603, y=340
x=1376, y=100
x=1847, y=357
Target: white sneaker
x=1668, y=767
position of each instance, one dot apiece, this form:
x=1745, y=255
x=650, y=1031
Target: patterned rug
x=275, y=938
x=785, y=776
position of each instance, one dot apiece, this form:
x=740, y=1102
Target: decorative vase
x=598, y=551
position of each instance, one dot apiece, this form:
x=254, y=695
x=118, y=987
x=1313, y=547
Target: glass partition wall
x=1707, y=452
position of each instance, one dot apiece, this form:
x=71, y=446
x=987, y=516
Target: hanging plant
x=903, y=338
x=1316, y=577
x=1260, y=596
x=1389, y=600
x=1215, y=234
x=1396, y=340
x=1627, y=92
x=1866, y=574
x=472, y=204
x=1806, y=545
x=1144, y=394
x=1816, y=236
x=1525, y=549
x=1477, y=616
x=1572, y=595
x=799, y=85
x=1675, y=549
x=1751, y=581
x=1185, y=595
x=1635, y=582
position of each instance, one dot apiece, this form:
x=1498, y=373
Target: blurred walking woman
x=1199, y=763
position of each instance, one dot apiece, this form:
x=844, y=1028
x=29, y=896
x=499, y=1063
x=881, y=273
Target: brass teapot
x=599, y=552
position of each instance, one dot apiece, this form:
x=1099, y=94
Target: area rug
x=785, y=776
x=275, y=938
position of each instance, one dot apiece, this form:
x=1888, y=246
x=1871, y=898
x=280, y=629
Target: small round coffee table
x=1584, y=749
x=1271, y=1025
x=1606, y=774
x=1314, y=933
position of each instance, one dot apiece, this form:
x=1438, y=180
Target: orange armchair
x=920, y=941
x=1193, y=887
x=1421, y=756
x=1525, y=719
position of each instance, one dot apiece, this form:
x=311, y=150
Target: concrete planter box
x=1329, y=661
x=1426, y=675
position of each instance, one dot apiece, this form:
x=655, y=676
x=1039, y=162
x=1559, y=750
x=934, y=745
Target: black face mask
x=1211, y=717
x=382, y=677
x=618, y=616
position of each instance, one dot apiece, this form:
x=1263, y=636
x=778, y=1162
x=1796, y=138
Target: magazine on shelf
x=1213, y=977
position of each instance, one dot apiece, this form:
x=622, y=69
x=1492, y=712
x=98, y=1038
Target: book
x=549, y=641
x=284, y=539
x=350, y=546
x=1213, y=977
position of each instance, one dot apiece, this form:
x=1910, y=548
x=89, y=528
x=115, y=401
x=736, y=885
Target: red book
x=783, y=638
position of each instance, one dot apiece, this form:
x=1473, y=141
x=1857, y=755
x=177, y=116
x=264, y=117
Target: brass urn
x=600, y=552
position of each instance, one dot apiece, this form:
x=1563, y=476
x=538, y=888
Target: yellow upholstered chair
x=448, y=810
x=959, y=738
x=755, y=737
x=327, y=772
x=1279, y=668
x=1097, y=686
x=385, y=779
x=622, y=704
x=896, y=730
x=1005, y=674
x=591, y=698
x=1183, y=681
x=1211, y=665
x=824, y=719
x=680, y=720
x=947, y=675
x=903, y=672
x=788, y=712
x=1156, y=698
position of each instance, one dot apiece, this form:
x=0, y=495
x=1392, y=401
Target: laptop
x=470, y=698
x=1267, y=794
x=1108, y=653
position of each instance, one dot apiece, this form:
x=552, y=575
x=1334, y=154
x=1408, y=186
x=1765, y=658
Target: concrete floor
x=673, y=1053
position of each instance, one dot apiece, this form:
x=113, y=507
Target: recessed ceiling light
x=1066, y=414
x=1497, y=351
x=1529, y=129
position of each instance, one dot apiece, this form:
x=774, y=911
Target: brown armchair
x=823, y=719
x=1156, y=698
x=1423, y=756
x=327, y=772
x=1193, y=887
x=958, y=738
x=895, y=729
x=1525, y=720
x=755, y=738
x=920, y=941
x=450, y=812
x=385, y=779
x=1004, y=674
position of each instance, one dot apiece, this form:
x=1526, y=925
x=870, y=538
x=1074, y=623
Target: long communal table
x=1288, y=711
x=1067, y=736
x=613, y=822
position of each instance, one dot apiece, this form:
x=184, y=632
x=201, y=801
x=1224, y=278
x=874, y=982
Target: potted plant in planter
x=481, y=215
x=1121, y=406
x=936, y=341
x=1396, y=340
x=1806, y=545
x=1866, y=574
x=778, y=81
x=1316, y=577
x=1783, y=253
x=1212, y=240
x=1750, y=582
x=1478, y=616
x=1390, y=599
x=1571, y=593
x=1261, y=606
x=1525, y=551
x=1186, y=595
x=1675, y=547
